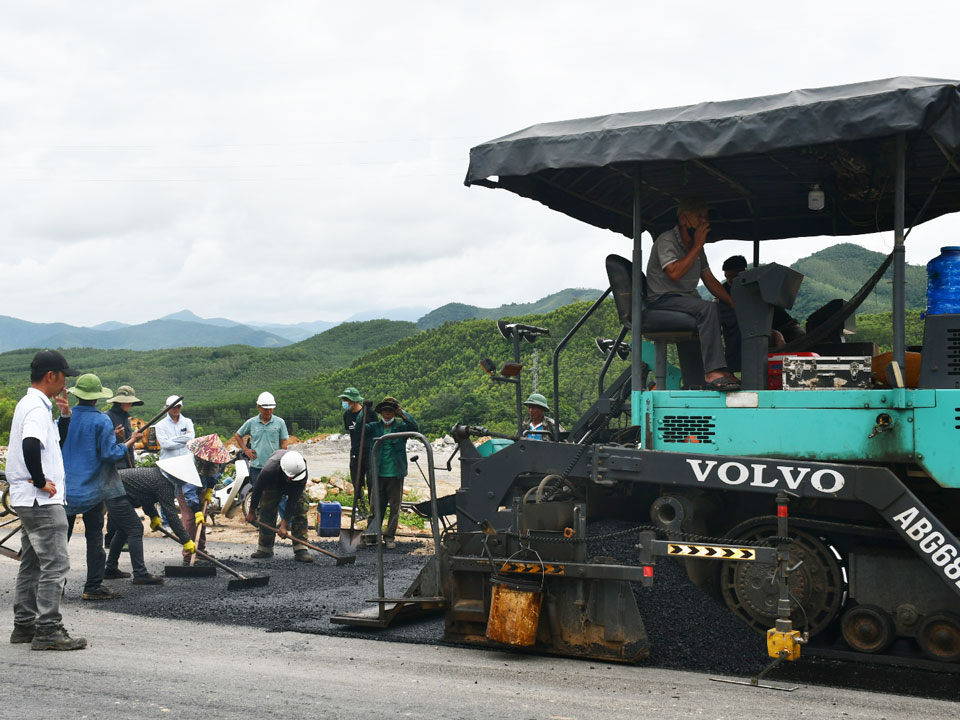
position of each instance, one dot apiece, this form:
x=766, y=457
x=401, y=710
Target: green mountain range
x=455, y=312
x=435, y=372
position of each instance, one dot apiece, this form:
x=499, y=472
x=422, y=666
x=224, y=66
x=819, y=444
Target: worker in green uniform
x=391, y=459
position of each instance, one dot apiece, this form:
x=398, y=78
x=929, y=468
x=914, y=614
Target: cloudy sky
x=287, y=161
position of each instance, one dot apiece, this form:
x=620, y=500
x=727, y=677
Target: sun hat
x=52, y=360
x=209, y=448
x=88, y=387
x=537, y=400
x=352, y=394
x=387, y=402
x=125, y=394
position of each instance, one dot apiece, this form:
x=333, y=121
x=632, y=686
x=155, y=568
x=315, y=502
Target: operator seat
x=661, y=327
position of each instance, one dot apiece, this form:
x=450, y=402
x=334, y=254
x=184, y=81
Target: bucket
x=328, y=519
x=514, y=611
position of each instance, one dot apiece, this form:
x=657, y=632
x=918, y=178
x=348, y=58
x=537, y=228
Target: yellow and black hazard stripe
x=531, y=568
x=713, y=552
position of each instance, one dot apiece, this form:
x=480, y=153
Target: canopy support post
x=636, y=295
x=899, y=259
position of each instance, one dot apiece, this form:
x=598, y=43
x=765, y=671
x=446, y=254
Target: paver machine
x=828, y=513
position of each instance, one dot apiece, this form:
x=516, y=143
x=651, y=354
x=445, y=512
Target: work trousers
x=129, y=530
x=267, y=514
x=361, y=483
x=189, y=519
x=44, y=562
x=96, y=555
x=707, y=316
x=391, y=494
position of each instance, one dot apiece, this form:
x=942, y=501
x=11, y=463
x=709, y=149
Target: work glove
x=198, y=518
x=155, y=523
x=208, y=496
x=190, y=546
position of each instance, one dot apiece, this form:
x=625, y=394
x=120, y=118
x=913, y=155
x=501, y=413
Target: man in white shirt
x=173, y=434
x=37, y=490
x=174, y=431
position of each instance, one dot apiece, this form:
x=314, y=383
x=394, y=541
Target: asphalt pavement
x=190, y=648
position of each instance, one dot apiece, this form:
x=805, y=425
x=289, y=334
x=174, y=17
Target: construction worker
x=35, y=472
x=391, y=459
x=284, y=475
x=119, y=414
x=354, y=411
x=539, y=425
x=210, y=456
x=675, y=267
x=173, y=434
x=268, y=433
x=90, y=454
x=146, y=487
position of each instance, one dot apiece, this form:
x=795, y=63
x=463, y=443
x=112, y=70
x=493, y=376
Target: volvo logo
x=791, y=477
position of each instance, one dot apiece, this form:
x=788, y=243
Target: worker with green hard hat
x=539, y=425
x=354, y=411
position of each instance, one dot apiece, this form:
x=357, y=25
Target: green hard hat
x=538, y=400
x=352, y=394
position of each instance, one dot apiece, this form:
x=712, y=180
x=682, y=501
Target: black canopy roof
x=753, y=160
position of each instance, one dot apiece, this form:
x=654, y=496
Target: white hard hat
x=266, y=400
x=172, y=399
x=293, y=465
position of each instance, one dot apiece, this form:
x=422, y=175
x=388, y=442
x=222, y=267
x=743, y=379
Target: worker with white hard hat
x=284, y=476
x=268, y=433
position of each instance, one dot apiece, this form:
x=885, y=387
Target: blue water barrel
x=943, y=282
x=328, y=519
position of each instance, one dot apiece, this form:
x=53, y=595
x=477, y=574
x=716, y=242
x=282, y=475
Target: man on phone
x=36, y=476
x=676, y=266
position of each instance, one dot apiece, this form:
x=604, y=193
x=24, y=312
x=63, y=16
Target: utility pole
x=536, y=372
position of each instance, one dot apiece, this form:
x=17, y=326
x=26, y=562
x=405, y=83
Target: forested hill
x=205, y=374
x=840, y=270
x=454, y=312
x=436, y=375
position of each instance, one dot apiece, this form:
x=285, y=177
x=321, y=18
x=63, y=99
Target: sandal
x=723, y=384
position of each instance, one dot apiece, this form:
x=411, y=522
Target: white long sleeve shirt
x=174, y=436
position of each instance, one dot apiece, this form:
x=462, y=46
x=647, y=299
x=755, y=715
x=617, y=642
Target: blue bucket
x=328, y=519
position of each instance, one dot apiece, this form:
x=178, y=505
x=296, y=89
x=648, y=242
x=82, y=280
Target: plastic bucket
x=514, y=611
x=328, y=519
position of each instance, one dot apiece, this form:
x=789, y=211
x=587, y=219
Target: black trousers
x=129, y=530
x=96, y=555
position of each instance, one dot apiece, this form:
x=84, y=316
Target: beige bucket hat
x=125, y=394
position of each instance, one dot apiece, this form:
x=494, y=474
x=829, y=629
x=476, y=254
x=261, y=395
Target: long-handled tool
x=350, y=539
x=341, y=559
x=241, y=583
x=196, y=535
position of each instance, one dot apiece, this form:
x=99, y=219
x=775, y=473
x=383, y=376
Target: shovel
x=350, y=539
x=341, y=559
x=241, y=583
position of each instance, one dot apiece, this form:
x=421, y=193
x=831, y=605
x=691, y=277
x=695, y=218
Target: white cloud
x=313, y=153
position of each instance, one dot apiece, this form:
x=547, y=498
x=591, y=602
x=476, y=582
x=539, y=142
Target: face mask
x=345, y=405
x=388, y=422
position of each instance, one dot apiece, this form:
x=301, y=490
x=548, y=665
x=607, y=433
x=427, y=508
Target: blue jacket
x=90, y=448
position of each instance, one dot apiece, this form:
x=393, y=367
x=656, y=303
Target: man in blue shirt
x=268, y=433
x=90, y=453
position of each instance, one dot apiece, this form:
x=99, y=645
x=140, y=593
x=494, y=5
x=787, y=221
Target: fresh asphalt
x=191, y=648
